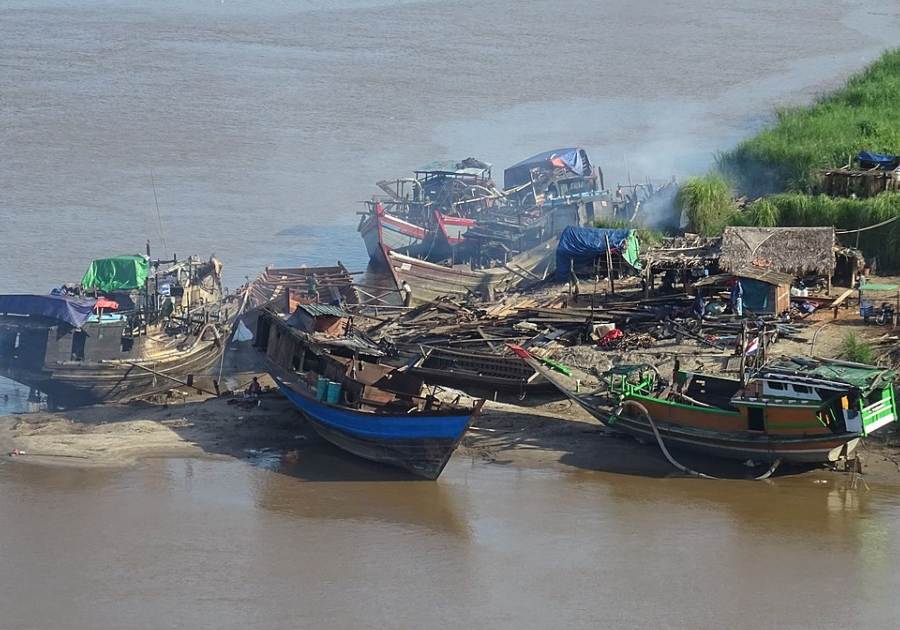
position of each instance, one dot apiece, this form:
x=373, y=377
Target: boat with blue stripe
x=331, y=373
x=419, y=441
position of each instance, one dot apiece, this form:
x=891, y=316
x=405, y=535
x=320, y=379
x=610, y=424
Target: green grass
x=708, y=202
x=863, y=115
x=799, y=210
x=646, y=236
x=855, y=348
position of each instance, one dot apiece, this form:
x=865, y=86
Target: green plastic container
x=334, y=393
x=322, y=388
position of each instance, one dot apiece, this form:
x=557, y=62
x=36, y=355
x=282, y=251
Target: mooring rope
x=677, y=464
x=871, y=227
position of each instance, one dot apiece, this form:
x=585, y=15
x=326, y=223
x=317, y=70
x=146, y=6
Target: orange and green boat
x=798, y=410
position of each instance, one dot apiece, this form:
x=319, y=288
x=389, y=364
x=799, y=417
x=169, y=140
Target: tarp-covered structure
x=117, y=273
x=868, y=159
x=573, y=159
x=583, y=246
x=69, y=310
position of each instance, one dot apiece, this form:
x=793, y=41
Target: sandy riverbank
x=552, y=434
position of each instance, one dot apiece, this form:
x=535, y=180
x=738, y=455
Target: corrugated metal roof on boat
x=323, y=310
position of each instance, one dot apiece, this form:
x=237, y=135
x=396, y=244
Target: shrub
x=855, y=348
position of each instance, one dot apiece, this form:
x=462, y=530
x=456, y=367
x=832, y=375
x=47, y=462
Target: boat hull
x=421, y=444
x=744, y=445
x=728, y=444
x=84, y=383
x=478, y=371
x=429, y=281
x=381, y=231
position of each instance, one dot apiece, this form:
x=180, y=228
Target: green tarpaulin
x=119, y=272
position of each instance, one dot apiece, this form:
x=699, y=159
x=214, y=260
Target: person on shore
x=737, y=298
x=312, y=287
x=254, y=389
x=406, y=293
x=699, y=307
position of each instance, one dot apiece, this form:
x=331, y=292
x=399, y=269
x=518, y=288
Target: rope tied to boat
x=665, y=451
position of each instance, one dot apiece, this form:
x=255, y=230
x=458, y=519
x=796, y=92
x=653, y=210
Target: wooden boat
x=481, y=370
x=380, y=229
x=159, y=331
x=380, y=414
x=430, y=281
x=797, y=410
x=282, y=288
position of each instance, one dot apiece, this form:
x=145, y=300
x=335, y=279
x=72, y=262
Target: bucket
x=322, y=388
x=334, y=393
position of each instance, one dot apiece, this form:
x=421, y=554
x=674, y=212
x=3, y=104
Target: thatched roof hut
x=793, y=250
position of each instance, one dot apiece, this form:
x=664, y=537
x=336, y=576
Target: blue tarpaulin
x=583, y=245
x=72, y=311
x=867, y=159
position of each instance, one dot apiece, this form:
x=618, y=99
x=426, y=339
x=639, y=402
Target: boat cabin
x=789, y=397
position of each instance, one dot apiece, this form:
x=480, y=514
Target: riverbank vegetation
x=784, y=161
x=707, y=202
x=786, y=157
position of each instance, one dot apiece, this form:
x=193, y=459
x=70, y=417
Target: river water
x=202, y=544
x=262, y=123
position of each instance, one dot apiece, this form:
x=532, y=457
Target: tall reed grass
x=708, y=202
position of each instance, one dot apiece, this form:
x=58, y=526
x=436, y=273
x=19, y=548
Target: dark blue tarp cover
x=520, y=173
x=584, y=245
x=73, y=311
x=867, y=159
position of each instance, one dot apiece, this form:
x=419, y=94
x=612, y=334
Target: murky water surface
x=262, y=124
x=200, y=544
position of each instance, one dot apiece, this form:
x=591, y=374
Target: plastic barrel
x=322, y=388
x=334, y=393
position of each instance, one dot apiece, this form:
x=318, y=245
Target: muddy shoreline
x=548, y=434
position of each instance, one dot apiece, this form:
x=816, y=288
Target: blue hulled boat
x=420, y=442
x=374, y=411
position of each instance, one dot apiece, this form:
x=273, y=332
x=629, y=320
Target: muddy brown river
x=264, y=122
x=183, y=543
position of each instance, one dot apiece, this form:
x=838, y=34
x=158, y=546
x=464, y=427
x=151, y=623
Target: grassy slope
x=864, y=115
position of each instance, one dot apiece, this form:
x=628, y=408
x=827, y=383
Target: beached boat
x=426, y=215
x=130, y=328
x=283, y=288
x=373, y=411
x=429, y=281
x=796, y=410
x=462, y=236
x=477, y=370
x=380, y=229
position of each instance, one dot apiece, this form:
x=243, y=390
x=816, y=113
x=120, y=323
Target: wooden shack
x=685, y=258
x=857, y=182
x=765, y=291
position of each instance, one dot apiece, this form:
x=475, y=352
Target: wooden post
x=609, y=269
